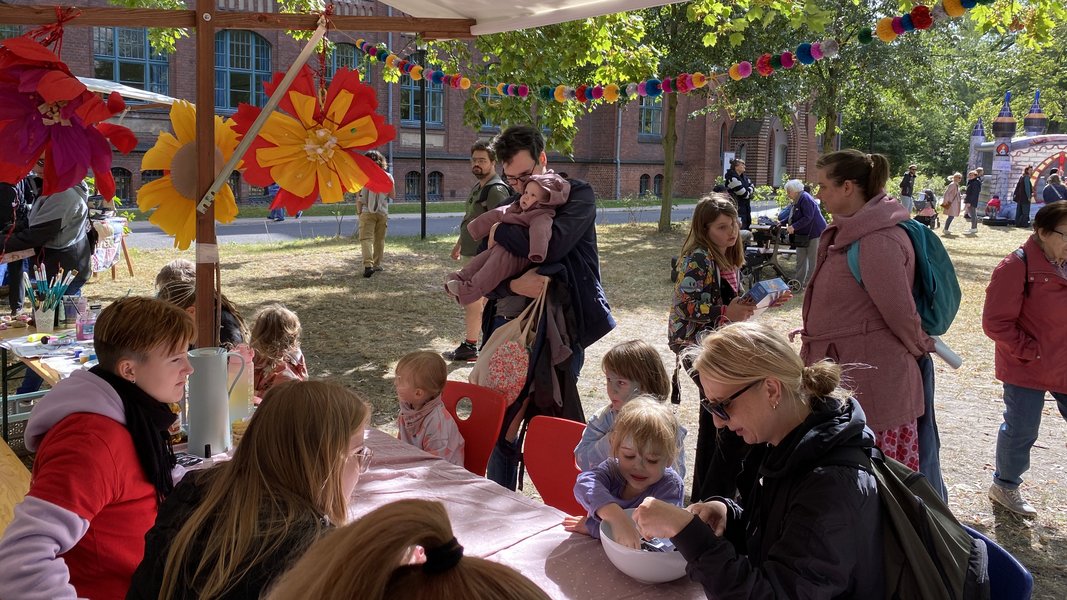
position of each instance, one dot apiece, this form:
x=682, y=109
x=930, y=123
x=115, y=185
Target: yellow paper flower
x=174, y=196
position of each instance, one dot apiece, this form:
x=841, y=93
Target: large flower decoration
x=44, y=109
x=313, y=149
x=174, y=196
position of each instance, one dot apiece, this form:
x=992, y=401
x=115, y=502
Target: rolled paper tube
x=804, y=54
x=611, y=92
x=699, y=80
x=954, y=8
x=744, y=69
x=906, y=23
x=830, y=48
x=787, y=60
x=816, y=51
x=865, y=37
x=666, y=85
x=597, y=92
x=884, y=31
x=897, y=24
x=632, y=89
x=921, y=18
x=523, y=90
x=560, y=94
x=642, y=89
x=545, y=93
x=416, y=72
x=968, y=4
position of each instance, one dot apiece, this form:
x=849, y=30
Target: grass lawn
x=355, y=329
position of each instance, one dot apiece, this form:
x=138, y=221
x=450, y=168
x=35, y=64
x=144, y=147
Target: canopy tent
x=104, y=86
x=429, y=18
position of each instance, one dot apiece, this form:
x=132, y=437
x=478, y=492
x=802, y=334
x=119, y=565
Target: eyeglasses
x=363, y=455
x=517, y=180
x=718, y=408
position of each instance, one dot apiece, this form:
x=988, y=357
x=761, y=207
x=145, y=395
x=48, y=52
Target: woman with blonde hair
x=228, y=531
x=276, y=341
x=813, y=526
x=952, y=200
x=708, y=295
x=402, y=550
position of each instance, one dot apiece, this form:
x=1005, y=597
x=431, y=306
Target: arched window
x=411, y=102
x=345, y=56
x=242, y=64
x=412, y=181
x=123, y=183
x=435, y=186
x=643, y=185
x=742, y=153
x=123, y=55
x=657, y=185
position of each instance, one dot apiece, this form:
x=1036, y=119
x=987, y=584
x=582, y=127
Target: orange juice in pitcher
x=241, y=394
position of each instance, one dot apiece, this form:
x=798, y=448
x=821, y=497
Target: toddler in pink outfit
x=535, y=210
x=424, y=422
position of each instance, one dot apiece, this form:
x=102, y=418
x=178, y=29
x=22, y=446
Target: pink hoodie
x=874, y=327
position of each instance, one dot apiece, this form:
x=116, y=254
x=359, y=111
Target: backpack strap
x=1021, y=253
x=853, y=257
x=483, y=196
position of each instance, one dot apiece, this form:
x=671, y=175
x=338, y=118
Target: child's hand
x=455, y=251
x=785, y=297
x=739, y=310
x=713, y=513
x=576, y=525
x=626, y=534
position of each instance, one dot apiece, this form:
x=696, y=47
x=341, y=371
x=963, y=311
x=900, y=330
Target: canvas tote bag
x=504, y=360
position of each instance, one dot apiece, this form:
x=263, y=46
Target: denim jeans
x=929, y=440
x=1018, y=432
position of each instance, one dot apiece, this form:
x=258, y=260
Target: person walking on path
x=1023, y=315
x=974, y=189
x=489, y=192
x=1024, y=192
x=952, y=200
x=907, y=188
x=805, y=223
x=741, y=191
x=373, y=211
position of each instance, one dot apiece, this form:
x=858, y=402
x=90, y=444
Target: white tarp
x=106, y=87
x=494, y=16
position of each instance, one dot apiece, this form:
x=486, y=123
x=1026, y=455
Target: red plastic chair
x=482, y=429
x=549, y=457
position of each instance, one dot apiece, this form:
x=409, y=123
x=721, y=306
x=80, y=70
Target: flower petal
x=330, y=188
x=160, y=156
x=296, y=177
x=183, y=120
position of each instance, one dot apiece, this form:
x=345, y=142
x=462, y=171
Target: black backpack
x=484, y=195
x=928, y=553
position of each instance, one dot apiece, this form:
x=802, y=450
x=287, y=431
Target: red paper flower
x=45, y=110
x=313, y=148
x=921, y=18
x=763, y=65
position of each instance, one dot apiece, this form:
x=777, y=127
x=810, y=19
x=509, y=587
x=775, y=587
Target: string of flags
x=886, y=29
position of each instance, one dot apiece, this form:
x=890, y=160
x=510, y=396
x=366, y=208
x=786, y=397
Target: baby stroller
x=765, y=254
x=927, y=210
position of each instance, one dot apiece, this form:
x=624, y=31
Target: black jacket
x=907, y=185
x=178, y=507
x=739, y=187
x=974, y=189
x=807, y=532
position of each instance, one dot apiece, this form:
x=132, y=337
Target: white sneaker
x=1011, y=500
x=972, y=231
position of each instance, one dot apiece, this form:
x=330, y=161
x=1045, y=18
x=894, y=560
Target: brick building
x=617, y=149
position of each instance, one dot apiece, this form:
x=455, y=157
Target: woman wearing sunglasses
x=810, y=525
x=229, y=531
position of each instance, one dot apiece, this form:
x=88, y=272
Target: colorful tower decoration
x=1004, y=126
x=977, y=139
x=1035, y=123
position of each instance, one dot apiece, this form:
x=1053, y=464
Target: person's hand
x=789, y=229
x=794, y=333
x=624, y=531
x=576, y=525
x=739, y=310
x=529, y=284
x=785, y=297
x=656, y=518
x=455, y=252
x=492, y=234
x=712, y=513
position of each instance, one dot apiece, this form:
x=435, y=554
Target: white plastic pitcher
x=208, y=402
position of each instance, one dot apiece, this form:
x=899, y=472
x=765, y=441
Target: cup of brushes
x=46, y=295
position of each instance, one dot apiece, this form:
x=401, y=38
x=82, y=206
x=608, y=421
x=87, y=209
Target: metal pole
x=422, y=137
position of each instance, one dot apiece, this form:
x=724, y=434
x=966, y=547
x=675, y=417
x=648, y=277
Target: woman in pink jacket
x=874, y=325
x=951, y=200
x=1023, y=315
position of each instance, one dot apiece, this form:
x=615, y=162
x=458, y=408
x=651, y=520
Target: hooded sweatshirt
x=873, y=329
x=806, y=532
x=57, y=225
x=80, y=530
x=432, y=429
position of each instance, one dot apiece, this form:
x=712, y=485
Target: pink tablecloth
x=494, y=523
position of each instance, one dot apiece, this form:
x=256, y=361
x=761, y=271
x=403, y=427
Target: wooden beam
x=150, y=17
x=207, y=250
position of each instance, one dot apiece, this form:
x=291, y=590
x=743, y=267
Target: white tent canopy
x=494, y=16
x=104, y=86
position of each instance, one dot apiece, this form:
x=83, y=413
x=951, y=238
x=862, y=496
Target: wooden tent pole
x=207, y=250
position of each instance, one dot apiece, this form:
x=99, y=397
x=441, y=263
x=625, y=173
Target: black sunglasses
x=718, y=409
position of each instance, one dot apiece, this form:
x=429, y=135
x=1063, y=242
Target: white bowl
x=644, y=566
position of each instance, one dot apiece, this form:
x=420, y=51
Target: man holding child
x=577, y=305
